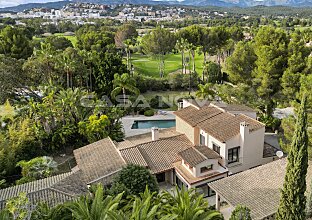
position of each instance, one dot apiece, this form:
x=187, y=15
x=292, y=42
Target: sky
x=8, y=3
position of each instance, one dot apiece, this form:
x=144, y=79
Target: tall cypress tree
x=293, y=201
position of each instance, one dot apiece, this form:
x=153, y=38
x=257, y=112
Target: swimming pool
x=153, y=123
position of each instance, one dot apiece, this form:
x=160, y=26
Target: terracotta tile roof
x=225, y=126
x=216, y=121
x=233, y=107
x=197, y=154
x=14, y=191
x=200, y=103
x=160, y=155
x=257, y=188
x=192, y=156
x=194, y=116
x=98, y=159
x=207, y=152
x=192, y=179
x=49, y=196
x=133, y=155
x=39, y=190
x=73, y=184
x=143, y=138
x=108, y=179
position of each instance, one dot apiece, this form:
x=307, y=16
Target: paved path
x=128, y=121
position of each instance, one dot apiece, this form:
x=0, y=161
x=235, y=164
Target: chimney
x=155, y=133
x=244, y=129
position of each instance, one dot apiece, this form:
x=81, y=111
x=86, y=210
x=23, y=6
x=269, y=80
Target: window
x=202, y=139
x=179, y=183
x=205, y=190
x=161, y=177
x=216, y=148
x=206, y=168
x=233, y=155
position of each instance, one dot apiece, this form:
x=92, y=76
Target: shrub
x=135, y=178
x=145, y=83
x=149, y=112
x=270, y=122
x=118, y=188
x=181, y=81
x=241, y=213
x=157, y=102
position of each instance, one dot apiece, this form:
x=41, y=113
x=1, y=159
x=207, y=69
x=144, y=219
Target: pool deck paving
x=128, y=121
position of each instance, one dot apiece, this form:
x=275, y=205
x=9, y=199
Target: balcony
x=191, y=179
x=234, y=164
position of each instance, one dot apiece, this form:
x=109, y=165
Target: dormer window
x=206, y=168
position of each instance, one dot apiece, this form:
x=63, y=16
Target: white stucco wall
x=213, y=162
x=251, y=150
x=195, y=171
x=185, y=128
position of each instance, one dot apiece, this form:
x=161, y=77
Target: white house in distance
x=209, y=142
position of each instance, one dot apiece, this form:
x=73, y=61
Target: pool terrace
x=129, y=121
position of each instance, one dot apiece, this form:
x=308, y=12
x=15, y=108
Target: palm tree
x=189, y=205
x=146, y=206
x=206, y=91
x=99, y=207
x=70, y=103
x=87, y=59
x=69, y=68
x=47, y=54
x=127, y=45
x=5, y=214
x=182, y=45
x=44, y=212
x=121, y=84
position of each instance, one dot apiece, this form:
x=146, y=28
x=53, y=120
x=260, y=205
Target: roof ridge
x=200, y=152
x=246, y=116
x=210, y=117
x=223, y=112
x=160, y=139
x=107, y=175
x=60, y=191
x=117, y=150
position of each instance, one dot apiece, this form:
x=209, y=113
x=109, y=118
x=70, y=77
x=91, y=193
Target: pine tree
x=293, y=200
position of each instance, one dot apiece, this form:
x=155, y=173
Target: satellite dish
x=279, y=154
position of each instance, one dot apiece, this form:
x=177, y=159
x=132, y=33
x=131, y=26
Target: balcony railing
x=233, y=164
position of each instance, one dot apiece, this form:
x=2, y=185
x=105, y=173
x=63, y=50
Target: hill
x=196, y=3
x=22, y=7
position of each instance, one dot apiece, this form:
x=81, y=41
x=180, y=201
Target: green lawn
x=149, y=66
x=73, y=39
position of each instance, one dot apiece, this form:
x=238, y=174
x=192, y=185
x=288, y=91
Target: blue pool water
x=153, y=123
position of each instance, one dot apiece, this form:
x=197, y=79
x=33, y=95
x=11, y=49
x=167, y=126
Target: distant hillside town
x=122, y=12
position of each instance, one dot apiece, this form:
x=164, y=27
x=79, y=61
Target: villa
x=209, y=142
